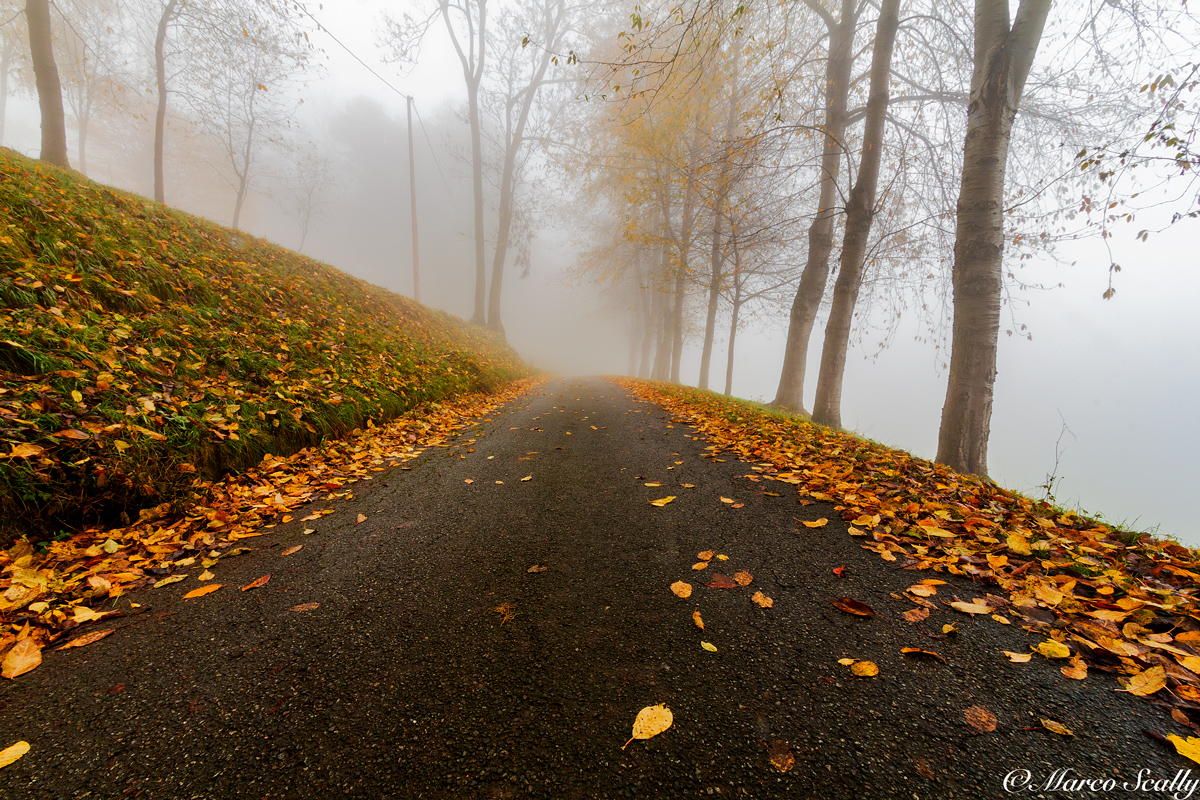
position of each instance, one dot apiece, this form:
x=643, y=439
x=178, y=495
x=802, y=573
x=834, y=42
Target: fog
x=1101, y=396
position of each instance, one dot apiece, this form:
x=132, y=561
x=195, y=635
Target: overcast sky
x=1123, y=374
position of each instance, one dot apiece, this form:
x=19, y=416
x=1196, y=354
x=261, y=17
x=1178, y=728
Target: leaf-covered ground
x=144, y=351
x=1098, y=598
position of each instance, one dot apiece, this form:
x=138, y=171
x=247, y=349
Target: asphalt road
x=410, y=680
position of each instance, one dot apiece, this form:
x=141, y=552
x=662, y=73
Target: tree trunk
x=49, y=89
x=737, y=307
x=478, y=317
x=1003, y=57
x=860, y=212
x=714, y=293
x=5, y=63
x=790, y=394
x=681, y=269
x=160, y=116
x=648, y=319
x=662, y=352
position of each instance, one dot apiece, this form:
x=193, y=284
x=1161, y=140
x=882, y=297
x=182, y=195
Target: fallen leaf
x=916, y=614
x=85, y=614
x=762, y=600
x=949, y=629
x=916, y=651
x=1147, y=682
x=169, y=580
x=1053, y=649
x=527, y=478
x=1182, y=718
x=852, y=606
x=688, y=485
x=662, y=501
x=536, y=568
x=781, y=756
x=1188, y=748
x=696, y=619
x=839, y=570
x=1018, y=658
x=821, y=523
x=737, y=505
x=709, y=646
x=705, y=555
x=10, y=754
x=1056, y=727
x=26, y=450
x=1019, y=545
x=24, y=656
x=980, y=719
x=720, y=581
x=87, y=638
x=970, y=608
x=205, y=576
x=742, y=578
x=1001, y=619
x=468, y=480
x=203, y=590
x=361, y=519
x=921, y=590
x=290, y=550
x=864, y=669
x=651, y=721
x=304, y=607
x=700, y=565
x=728, y=500
x=1075, y=669
x=257, y=583
x=722, y=557
x=653, y=484
x=682, y=589
x=845, y=662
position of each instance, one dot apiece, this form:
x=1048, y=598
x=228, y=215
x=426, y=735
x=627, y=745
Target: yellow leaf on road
x=24, y=656
x=742, y=578
x=727, y=500
x=705, y=555
x=709, y=646
x=1053, y=649
x=203, y=590
x=205, y=576
x=1056, y=727
x=1188, y=748
x=1017, y=658
x=696, y=619
x=662, y=501
x=651, y=721
x=970, y=608
x=527, y=478
x=864, y=669
x=169, y=580
x=762, y=600
x=1147, y=682
x=682, y=589
x=361, y=519
x=653, y=484
x=85, y=614
x=1076, y=669
x=821, y=523
x=10, y=754
x=290, y=550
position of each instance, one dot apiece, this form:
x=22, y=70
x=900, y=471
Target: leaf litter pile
x=48, y=592
x=1098, y=598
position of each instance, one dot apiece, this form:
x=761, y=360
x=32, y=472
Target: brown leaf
x=696, y=619
x=24, y=656
x=255, y=584
x=762, y=600
x=203, y=590
x=700, y=565
x=1056, y=727
x=742, y=578
x=536, y=568
x=980, y=719
x=916, y=651
x=852, y=606
x=1075, y=669
x=290, y=550
x=304, y=607
x=916, y=614
x=87, y=638
x=706, y=555
x=361, y=519
x=720, y=581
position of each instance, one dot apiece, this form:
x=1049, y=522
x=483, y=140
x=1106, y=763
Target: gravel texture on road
x=437, y=665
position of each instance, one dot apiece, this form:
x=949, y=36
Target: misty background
x=1099, y=393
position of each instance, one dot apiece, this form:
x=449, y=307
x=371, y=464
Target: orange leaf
x=256, y=583
x=852, y=606
x=290, y=550
x=304, y=607
x=982, y=720
x=87, y=639
x=742, y=578
x=203, y=590
x=361, y=519
x=24, y=656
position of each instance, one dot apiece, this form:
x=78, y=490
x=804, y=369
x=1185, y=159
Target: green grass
x=144, y=349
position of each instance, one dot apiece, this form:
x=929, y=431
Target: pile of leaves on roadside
x=142, y=347
x=48, y=591
x=1115, y=601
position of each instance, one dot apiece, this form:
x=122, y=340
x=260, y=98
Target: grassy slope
x=142, y=348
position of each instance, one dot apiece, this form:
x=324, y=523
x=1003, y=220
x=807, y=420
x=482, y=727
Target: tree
x=1004, y=53
x=91, y=41
x=10, y=52
x=49, y=89
x=860, y=211
x=839, y=62
x=167, y=15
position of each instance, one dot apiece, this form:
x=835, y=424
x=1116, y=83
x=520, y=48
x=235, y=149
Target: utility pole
x=412, y=200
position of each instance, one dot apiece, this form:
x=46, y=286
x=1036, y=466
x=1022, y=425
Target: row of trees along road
x=721, y=154
x=894, y=124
